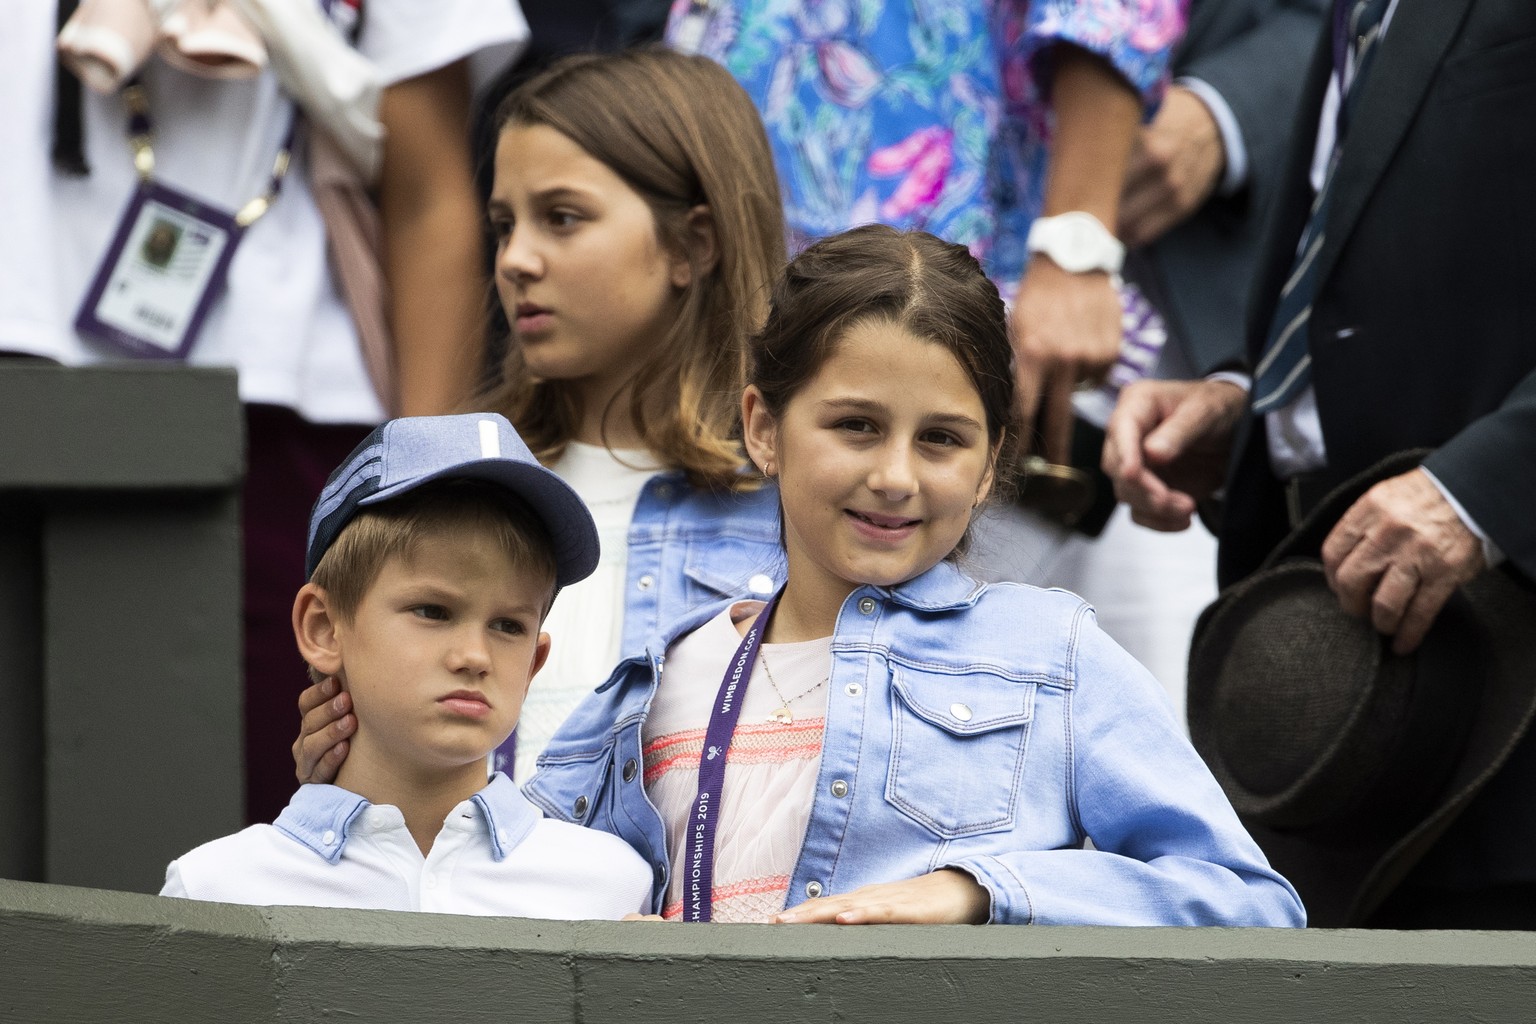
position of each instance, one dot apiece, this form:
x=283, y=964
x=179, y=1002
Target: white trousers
x=1147, y=587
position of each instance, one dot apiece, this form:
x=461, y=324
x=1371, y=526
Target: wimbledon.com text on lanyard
x=698, y=881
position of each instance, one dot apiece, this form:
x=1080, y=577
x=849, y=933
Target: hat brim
x=1343, y=880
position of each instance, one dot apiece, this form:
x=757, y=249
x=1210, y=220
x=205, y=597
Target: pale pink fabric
x=105, y=42
x=770, y=775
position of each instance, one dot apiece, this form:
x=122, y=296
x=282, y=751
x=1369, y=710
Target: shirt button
x=629, y=770
x=646, y=582
x=853, y=689
x=961, y=712
x=501, y=836
x=329, y=839
x=839, y=788
x=431, y=881
x=760, y=584
x=813, y=889
x=866, y=605
x=579, y=809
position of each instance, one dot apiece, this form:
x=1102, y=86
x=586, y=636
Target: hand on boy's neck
x=424, y=795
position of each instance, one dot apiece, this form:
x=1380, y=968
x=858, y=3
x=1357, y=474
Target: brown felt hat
x=1346, y=761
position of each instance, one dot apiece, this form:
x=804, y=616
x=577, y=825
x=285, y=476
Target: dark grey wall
x=120, y=700
x=86, y=955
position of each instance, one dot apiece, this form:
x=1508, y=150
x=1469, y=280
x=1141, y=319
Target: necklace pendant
x=783, y=716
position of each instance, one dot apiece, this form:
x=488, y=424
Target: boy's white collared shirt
x=495, y=855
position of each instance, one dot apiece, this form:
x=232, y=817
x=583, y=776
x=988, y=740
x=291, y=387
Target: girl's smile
x=881, y=458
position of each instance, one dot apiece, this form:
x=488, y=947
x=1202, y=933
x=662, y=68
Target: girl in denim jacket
x=888, y=740
x=638, y=227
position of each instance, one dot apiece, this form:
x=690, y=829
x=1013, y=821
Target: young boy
x=434, y=554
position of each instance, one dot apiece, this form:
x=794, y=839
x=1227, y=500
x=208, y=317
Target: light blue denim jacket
x=689, y=547
x=989, y=728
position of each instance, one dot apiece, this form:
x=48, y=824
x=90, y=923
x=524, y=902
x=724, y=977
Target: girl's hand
x=945, y=896
x=327, y=722
x=643, y=917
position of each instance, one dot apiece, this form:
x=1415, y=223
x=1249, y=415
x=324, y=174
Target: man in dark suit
x=1413, y=292
x=1208, y=166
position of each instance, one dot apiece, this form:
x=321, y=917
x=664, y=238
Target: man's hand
x=1066, y=330
x=1397, y=556
x=1176, y=164
x=326, y=722
x=946, y=896
x=1167, y=445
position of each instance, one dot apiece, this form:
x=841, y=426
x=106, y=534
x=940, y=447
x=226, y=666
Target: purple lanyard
x=698, y=882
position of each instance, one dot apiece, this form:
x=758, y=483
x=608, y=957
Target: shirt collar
x=320, y=817
x=508, y=814
x=942, y=588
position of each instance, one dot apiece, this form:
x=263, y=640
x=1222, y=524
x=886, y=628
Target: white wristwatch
x=1077, y=243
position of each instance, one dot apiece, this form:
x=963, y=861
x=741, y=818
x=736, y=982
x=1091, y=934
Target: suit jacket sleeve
x=1258, y=73
x=1490, y=466
x=1258, y=68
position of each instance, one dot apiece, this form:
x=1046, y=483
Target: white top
x=770, y=773
x=496, y=856
x=586, y=624
x=280, y=322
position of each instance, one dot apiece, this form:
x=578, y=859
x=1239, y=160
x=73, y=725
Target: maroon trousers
x=288, y=460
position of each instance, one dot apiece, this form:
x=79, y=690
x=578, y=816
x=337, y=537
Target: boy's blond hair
x=396, y=528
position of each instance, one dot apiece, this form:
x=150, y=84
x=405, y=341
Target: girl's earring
x=768, y=469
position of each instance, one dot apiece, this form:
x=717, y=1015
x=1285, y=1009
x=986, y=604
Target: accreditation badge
x=167, y=263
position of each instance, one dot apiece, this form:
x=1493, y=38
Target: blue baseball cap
x=406, y=453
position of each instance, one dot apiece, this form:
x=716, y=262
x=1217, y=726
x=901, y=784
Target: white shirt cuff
x=1242, y=380
x=1236, y=174
x=1491, y=553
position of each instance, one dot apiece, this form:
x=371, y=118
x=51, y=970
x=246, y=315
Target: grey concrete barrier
x=87, y=955
x=120, y=699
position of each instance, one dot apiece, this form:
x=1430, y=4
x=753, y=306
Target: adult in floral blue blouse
x=972, y=119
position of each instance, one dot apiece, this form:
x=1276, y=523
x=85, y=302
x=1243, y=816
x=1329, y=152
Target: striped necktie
x=1285, y=369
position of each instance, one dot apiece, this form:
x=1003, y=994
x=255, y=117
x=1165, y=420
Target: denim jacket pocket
x=957, y=748
x=724, y=567
x=569, y=786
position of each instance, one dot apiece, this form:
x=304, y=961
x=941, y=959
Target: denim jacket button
x=646, y=582
x=762, y=583
x=580, y=807
x=866, y=605
x=961, y=712
x=661, y=871
x=853, y=689
x=839, y=788
x=629, y=770
x=813, y=889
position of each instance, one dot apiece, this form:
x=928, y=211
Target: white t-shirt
x=280, y=321
x=495, y=856
x=586, y=624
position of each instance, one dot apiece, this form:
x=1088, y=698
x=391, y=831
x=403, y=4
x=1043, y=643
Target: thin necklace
x=783, y=715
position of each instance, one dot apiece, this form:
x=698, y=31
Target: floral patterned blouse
x=927, y=114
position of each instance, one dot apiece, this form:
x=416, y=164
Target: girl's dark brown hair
x=932, y=288
x=682, y=133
